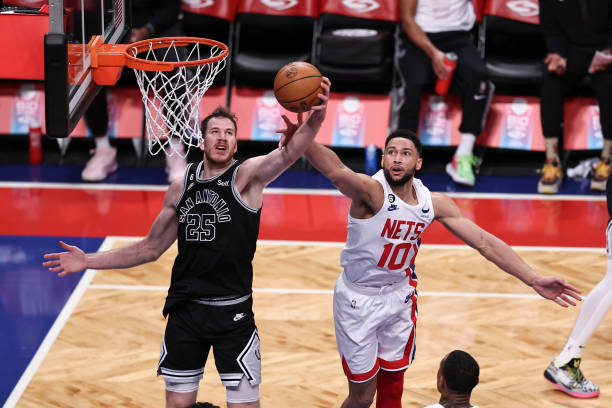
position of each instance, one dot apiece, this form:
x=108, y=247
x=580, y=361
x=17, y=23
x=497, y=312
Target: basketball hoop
x=173, y=75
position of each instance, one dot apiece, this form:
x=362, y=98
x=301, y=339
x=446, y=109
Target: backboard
x=69, y=87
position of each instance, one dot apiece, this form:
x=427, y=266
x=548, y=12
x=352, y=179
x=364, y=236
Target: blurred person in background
x=432, y=28
x=150, y=18
x=574, y=31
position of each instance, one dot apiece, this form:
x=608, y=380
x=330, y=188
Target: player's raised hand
x=64, y=263
x=324, y=97
x=557, y=290
x=289, y=130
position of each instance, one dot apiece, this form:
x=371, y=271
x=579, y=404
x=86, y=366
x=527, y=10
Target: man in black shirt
x=574, y=31
x=214, y=211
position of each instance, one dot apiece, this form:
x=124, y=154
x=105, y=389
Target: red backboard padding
x=225, y=9
x=304, y=8
x=25, y=3
x=526, y=11
x=374, y=9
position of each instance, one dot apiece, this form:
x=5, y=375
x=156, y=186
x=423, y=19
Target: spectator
x=457, y=377
x=574, y=31
x=150, y=18
x=431, y=29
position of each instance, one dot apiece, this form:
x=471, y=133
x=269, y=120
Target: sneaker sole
x=112, y=168
x=598, y=185
x=548, y=188
x=573, y=394
x=457, y=179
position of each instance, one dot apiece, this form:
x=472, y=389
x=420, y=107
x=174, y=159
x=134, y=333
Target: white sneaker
x=101, y=163
x=175, y=167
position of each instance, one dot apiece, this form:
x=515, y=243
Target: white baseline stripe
x=294, y=191
x=54, y=331
x=328, y=292
x=426, y=246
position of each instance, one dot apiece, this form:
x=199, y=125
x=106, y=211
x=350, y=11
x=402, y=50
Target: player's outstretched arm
x=356, y=186
x=160, y=237
x=262, y=170
x=500, y=253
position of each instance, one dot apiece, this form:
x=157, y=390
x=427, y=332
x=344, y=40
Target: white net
x=172, y=98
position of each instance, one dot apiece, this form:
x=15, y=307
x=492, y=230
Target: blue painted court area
x=31, y=298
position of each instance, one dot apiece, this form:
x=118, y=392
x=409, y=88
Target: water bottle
x=35, y=142
x=371, y=159
x=442, y=85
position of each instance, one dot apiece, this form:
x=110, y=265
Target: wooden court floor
x=107, y=352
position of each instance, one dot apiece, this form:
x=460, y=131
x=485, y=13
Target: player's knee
x=245, y=394
x=182, y=387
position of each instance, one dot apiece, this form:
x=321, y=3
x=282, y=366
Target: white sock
x=466, y=144
x=102, y=143
x=571, y=350
x=594, y=308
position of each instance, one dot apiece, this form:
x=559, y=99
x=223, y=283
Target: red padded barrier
x=225, y=9
x=374, y=9
x=526, y=11
x=303, y=8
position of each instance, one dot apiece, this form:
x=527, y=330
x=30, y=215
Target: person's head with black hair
x=457, y=377
x=203, y=405
x=401, y=157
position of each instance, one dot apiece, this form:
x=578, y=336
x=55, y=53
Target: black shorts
x=226, y=326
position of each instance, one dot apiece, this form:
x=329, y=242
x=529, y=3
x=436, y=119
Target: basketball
x=297, y=85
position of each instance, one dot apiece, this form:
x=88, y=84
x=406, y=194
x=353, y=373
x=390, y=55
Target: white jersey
x=441, y=406
x=435, y=16
x=381, y=250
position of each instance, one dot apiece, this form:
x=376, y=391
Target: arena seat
x=211, y=19
x=512, y=45
x=355, y=44
x=268, y=35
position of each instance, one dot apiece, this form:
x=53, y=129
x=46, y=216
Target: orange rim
x=165, y=42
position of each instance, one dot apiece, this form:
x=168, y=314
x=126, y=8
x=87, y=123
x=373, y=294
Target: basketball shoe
x=461, y=169
x=102, y=162
x=552, y=175
x=570, y=379
x=602, y=172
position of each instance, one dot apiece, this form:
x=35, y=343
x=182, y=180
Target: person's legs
x=103, y=160
x=237, y=353
x=602, y=84
x=361, y=395
x=564, y=371
x=389, y=388
x=476, y=92
x=551, y=113
x=554, y=88
x=414, y=68
x=180, y=399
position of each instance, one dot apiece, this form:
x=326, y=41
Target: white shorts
x=375, y=328
x=609, y=239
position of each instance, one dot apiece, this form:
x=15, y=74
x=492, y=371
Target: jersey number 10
x=396, y=255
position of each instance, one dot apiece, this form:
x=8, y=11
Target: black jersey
x=217, y=235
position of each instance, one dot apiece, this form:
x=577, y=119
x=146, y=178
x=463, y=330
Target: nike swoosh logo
x=238, y=316
x=479, y=97
x=425, y=211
